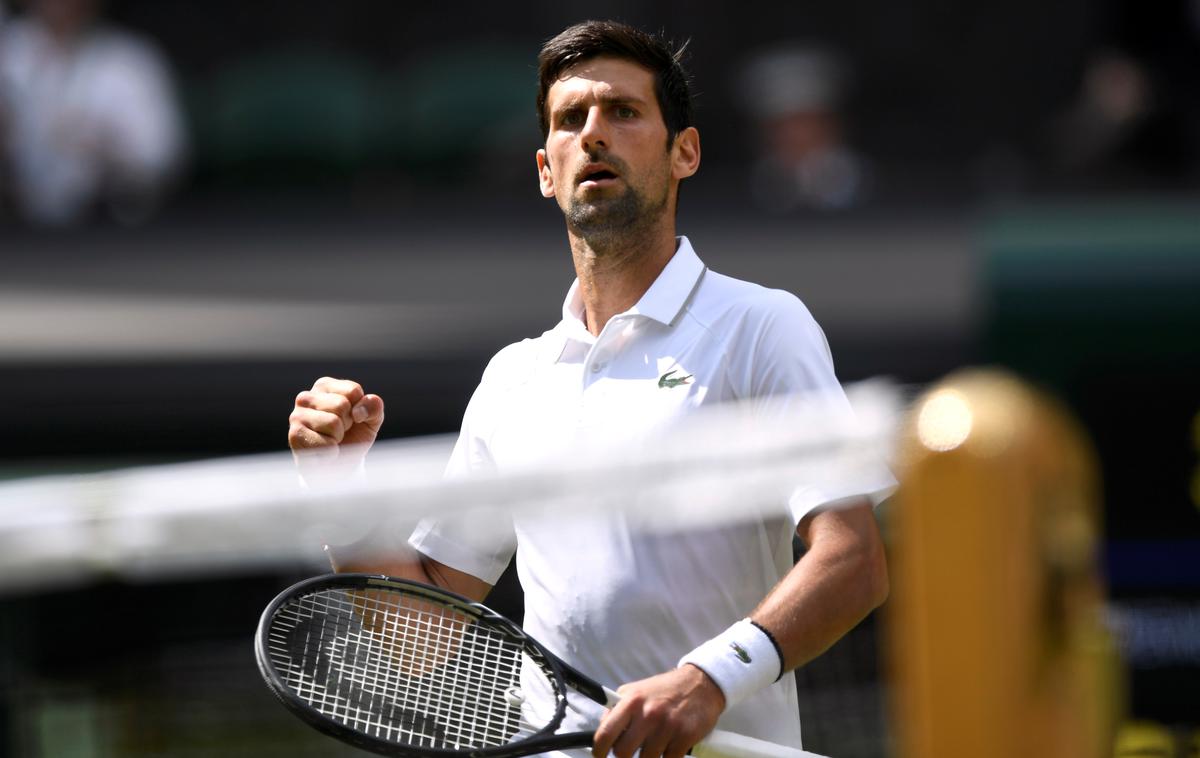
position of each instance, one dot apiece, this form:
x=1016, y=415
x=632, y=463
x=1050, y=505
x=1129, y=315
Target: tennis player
x=701, y=627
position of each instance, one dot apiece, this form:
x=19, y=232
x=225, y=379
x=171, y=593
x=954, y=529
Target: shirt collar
x=663, y=302
x=665, y=299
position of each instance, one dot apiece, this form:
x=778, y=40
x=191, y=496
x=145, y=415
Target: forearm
x=404, y=562
x=838, y=582
x=841, y=579
x=401, y=564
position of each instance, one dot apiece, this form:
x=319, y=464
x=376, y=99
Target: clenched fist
x=334, y=418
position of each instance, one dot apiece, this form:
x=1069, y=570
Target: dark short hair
x=593, y=39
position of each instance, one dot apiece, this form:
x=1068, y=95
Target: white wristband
x=741, y=660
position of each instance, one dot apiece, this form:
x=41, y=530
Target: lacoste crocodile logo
x=740, y=651
x=666, y=380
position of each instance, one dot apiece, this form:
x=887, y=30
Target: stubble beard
x=614, y=221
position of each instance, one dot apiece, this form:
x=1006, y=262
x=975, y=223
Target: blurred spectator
x=88, y=116
x=1124, y=129
x=795, y=96
x=1113, y=100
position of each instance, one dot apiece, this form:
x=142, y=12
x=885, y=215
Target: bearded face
x=607, y=161
x=607, y=202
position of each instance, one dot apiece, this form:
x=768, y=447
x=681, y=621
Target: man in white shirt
x=647, y=335
x=88, y=115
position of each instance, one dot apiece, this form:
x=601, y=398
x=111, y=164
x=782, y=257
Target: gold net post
x=997, y=647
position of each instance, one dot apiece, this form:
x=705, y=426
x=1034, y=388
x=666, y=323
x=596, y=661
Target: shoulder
x=514, y=364
x=725, y=303
x=126, y=52
x=18, y=38
x=18, y=31
x=510, y=369
x=770, y=341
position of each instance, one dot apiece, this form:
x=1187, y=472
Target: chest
x=604, y=393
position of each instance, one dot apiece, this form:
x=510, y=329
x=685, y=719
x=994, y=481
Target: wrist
x=704, y=685
x=740, y=661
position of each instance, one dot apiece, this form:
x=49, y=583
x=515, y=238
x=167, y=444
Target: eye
x=570, y=118
x=625, y=111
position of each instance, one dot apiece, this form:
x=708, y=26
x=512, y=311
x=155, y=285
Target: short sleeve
x=785, y=366
x=480, y=542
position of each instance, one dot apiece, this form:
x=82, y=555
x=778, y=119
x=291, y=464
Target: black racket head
x=401, y=668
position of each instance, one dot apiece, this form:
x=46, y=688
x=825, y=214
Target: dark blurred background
x=206, y=205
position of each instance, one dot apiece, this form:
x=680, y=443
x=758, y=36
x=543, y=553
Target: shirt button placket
x=599, y=361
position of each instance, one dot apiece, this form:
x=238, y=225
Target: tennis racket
x=404, y=669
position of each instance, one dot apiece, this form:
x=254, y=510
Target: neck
x=615, y=272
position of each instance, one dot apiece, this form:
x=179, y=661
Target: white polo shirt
x=619, y=604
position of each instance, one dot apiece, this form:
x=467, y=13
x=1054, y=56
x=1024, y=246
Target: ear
x=545, y=179
x=685, y=153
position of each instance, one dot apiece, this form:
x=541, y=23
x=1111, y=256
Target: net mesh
x=404, y=669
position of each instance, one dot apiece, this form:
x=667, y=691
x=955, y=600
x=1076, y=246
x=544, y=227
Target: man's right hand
x=333, y=414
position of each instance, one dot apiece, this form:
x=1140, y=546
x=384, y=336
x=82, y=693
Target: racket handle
x=720, y=744
x=611, y=698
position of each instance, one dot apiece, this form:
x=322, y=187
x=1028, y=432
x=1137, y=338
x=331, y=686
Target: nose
x=595, y=130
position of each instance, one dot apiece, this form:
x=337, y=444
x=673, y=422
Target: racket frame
x=718, y=744
x=542, y=740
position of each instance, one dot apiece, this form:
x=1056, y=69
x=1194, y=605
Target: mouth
x=596, y=176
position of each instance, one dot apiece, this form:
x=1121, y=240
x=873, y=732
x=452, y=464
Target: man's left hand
x=664, y=715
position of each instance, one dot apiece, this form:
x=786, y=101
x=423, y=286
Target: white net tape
x=253, y=512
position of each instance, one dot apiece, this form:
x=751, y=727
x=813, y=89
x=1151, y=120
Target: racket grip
x=720, y=744
x=611, y=698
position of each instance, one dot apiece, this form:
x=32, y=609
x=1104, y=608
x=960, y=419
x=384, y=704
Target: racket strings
x=404, y=669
